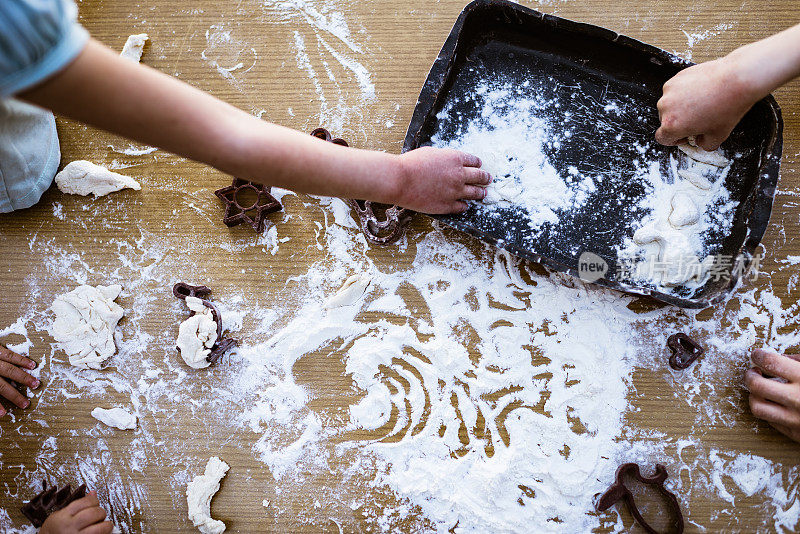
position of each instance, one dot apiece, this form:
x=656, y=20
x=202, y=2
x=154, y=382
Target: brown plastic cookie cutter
x=50, y=500
x=685, y=351
x=619, y=492
x=239, y=209
x=223, y=344
x=378, y=230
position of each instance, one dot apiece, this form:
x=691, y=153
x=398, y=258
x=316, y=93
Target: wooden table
x=177, y=212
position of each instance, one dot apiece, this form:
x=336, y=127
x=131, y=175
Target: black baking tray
x=583, y=67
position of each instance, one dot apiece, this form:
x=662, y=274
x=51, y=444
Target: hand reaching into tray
x=101, y=89
x=83, y=516
x=11, y=369
x=708, y=100
x=776, y=400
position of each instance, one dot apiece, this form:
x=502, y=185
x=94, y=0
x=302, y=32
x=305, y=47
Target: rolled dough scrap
x=696, y=179
x=85, y=322
x=199, y=493
x=684, y=211
x=197, y=334
x=134, y=46
x=704, y=156
x=350, y=293
x=85, y=178
x=116, y=417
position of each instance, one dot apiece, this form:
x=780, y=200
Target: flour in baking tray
x=511, y=137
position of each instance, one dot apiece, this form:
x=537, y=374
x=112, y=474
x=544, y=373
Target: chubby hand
x=776, y=401
x=705, y=101
x=11, y=369
x=436, y=180
x=83, y=516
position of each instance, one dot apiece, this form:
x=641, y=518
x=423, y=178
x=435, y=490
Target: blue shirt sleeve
x=37, y=39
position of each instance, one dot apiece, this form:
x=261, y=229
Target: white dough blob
x=704, y=156
x=197, y=334
x=134, y=47
x=669, y=244
x=85, y=178
x=85, y=322
x=199, y=493
x=351, y=292
x=115, y=417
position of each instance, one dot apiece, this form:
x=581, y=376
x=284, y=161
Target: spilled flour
x=468, y=391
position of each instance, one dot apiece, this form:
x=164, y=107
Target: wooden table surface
x=176, y=211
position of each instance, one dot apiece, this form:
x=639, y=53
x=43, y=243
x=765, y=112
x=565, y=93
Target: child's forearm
x=765, y=65
x=140, y=103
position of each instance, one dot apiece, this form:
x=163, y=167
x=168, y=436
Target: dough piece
x=85, y=322
x=134, y=46
x=199, y=493
x=197, y=334
x=696, y=179
x=350, y=293
x=649, y=234
x=85, y=178
x=704, y=156
x=116, y=417
x=684, y=211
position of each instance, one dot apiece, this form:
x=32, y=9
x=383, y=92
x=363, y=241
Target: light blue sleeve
x=37, y=39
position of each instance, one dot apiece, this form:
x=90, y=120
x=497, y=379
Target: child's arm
x=11, y=368
x=708, y=100
x=101, y=89
x=777, y=402
x=83, y=516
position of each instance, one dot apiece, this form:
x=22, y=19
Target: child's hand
x=438, y=180
x=706, y=101
x=774, y=401
x=11, y=365
x=83, y=516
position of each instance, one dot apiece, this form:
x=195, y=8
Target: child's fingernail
x=35, y=384
x=2, y=412
x=32, y=365
x=26, y=404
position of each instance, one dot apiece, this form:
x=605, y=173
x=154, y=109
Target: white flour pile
x=510, y=138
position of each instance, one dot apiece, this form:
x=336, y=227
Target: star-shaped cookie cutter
x=223, y=344
x=378, y=231
x=240, y=210
x=620, y=492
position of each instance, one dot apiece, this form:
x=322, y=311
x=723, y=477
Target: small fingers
x=12, y=372
x=773, y=413
x=477, y=177
x=18, y=360
x=458, y=207
x=83, y=503
x=468, y=160
x=473, y=192
x=784, y=394
x=710, y=142
x=89, y=516
x=774, y=364
x=667, y=137
x=106, y=527
x=10, y=393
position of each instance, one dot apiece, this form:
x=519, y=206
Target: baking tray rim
x=765, y=187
